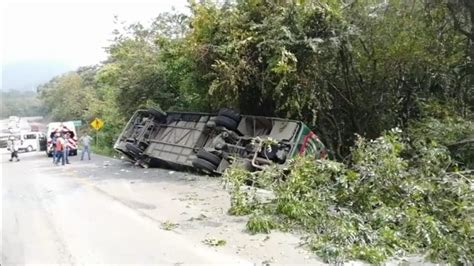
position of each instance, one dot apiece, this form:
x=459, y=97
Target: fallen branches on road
x=393, y=199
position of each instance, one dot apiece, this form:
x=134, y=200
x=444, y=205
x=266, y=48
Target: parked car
x=61, y=127
x=30, y=141
x=213, y=142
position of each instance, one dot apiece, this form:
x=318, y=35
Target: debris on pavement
x=168, y=225
x=214, y=242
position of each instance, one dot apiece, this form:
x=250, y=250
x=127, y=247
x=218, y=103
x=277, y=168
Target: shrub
x=395, y=197
x=260, y=223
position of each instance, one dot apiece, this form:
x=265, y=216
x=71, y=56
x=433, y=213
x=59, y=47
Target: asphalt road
x=51, y=214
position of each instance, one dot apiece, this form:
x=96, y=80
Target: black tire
x=210, y=157
x=157, y=114
x=204, y=165
x=133, y=149
x=226, y=122
x=230, y=114
x=29, y=148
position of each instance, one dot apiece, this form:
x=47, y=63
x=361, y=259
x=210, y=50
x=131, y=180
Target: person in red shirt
x=59, y=148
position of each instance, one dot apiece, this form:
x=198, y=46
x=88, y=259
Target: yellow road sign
x=97, y=123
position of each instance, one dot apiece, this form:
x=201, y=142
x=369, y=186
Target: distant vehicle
x=29, y=141
x=4, y=141
x=61, y=127
x=213, y=142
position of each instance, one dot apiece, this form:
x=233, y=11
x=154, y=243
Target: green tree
x=136, y=57
x=66, y=96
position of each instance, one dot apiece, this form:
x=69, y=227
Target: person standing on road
x=13, y=146
x=85, y=141
x=59, y=149
x=67, y=147
x=53, y=145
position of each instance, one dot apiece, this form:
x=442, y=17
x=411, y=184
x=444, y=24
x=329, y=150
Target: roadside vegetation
x=387, y=85
x=398, y=194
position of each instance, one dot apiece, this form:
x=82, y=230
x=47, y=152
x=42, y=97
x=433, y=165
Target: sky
x=69, y=31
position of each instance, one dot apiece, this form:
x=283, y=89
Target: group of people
x=61, y=146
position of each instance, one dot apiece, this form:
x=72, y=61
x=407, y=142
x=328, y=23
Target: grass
x=104, y=150
x=260, y=223
x=168, y=225
x=214, y=242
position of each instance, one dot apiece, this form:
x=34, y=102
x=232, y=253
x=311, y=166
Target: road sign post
x=97, y=124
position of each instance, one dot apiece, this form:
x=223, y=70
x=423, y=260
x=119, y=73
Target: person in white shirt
x=85, y=141
x=67, y=147
x=13, y=147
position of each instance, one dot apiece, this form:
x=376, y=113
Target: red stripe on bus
x=305, y=141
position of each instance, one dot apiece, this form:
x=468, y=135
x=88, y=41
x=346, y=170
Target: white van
x=61, y=127
x=29, y=141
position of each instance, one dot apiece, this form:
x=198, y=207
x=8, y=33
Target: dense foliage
x=395, y=198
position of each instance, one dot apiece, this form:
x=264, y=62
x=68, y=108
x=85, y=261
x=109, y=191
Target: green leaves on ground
x=214, y=242
x=393, y=198
x=169, y=225
x=260, y=223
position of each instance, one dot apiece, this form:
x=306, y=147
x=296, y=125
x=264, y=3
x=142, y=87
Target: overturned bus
x=213, y=142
